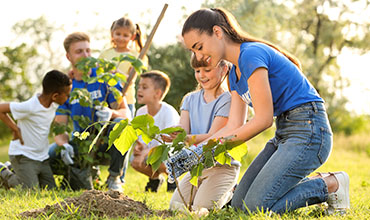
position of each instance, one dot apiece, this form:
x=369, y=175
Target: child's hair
x=202, y=63
x=134, y=29
x=204, y=20
x=75, y=37
x=160, y=79
x=54, y=82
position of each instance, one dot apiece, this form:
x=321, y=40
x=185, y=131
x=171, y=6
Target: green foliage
x=89, y=140
x=23, y=65
x=14, y=80
x=125, y=134
x=350, y=124
x=174, y=60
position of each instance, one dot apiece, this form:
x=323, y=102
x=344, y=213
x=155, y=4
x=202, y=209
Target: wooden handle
x=132, y=72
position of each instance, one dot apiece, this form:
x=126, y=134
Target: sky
x=83, y=15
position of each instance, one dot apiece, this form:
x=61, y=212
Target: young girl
x=272, y=81
x=125, y=39
x=204, y=112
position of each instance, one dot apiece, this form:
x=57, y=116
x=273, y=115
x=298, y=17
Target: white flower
x=76, y=134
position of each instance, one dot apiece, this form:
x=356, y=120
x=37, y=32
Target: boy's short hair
x=75, y=37
x=54, y=81
x=160, y=79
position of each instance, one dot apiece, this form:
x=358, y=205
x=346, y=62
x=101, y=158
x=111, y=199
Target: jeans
x=132, y=109
x=276, y=179
x=116, y=163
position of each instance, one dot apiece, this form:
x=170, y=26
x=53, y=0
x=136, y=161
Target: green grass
x=349, y=153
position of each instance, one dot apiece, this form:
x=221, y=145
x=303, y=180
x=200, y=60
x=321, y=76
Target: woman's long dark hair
x=204, y=20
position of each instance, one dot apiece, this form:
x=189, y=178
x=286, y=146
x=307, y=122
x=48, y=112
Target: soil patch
x=110, y=204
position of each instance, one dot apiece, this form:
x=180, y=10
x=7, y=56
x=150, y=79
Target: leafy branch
x=108, y=74
x=222, y=151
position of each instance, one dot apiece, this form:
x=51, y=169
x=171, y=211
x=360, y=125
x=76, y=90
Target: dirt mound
x=93, y=202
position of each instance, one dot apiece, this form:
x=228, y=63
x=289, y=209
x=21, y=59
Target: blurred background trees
x=315, y=31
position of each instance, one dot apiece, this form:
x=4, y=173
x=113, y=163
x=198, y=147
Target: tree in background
x=175, y=61
x=24, y=65
x=317, y=32
x=14, y=81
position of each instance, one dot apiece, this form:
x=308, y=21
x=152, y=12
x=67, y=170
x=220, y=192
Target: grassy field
x=351, y=154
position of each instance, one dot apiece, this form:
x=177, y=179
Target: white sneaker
x=338, y=202
x=114, y=183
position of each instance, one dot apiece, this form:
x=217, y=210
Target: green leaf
x=180, y=137
x=143, y=122
x=63, y=111
x=138, y=65
x=112, y=82
x=155, y=153
x=210, y=144
x=153, y=130
x=97, y=126
x=116, y=93
x=89, y=159
x=179, y=142
x=82, y=95
x=157, y=156
x=97, y=136
x=116, y=131
x=146, y=138
x=219, y=149
x=237, y=150
x=121, y=77
x=99, y=71
x=126, y=57
x=223, y=158
x=208, y=159
x=91, y=80
x=59, y=128
x=196, y=172
x=171, y=130
x=126, y=139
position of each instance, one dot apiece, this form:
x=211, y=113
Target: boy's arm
x=61, y=139
x=4, y=110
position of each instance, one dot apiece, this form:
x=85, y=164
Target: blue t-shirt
x=97, y=91
x=289, y=87
x=201, y=114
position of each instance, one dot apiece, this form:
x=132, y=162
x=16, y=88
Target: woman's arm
x=260, y=91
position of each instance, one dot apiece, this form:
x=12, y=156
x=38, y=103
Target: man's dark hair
x=54, y=81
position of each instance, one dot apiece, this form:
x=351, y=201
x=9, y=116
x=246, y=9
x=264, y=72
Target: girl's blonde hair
x=201, y=63
x=134, y=29
x=204, y=20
